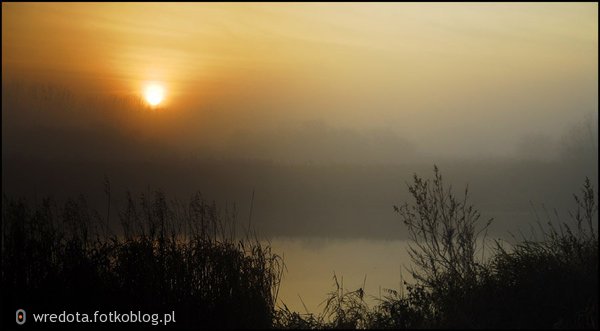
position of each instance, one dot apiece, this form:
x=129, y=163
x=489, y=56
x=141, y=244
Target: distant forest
x=69, y=243
x=52, y=137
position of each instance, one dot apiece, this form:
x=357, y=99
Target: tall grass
x=343, y=309
x=169, y=256
x=545, y=282
x=188, y=257
x=552, y=281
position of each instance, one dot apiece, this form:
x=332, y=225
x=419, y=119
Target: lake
x=311, y=263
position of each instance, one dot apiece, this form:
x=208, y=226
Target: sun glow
x=154, y=94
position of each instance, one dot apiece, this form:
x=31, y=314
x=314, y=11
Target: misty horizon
x=337, y=175
x=306, y=122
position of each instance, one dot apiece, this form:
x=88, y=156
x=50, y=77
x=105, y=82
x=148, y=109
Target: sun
x=154, y=94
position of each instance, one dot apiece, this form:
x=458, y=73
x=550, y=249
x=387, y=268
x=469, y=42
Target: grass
x=546, y=282
x=188, y=257
x=169, y=256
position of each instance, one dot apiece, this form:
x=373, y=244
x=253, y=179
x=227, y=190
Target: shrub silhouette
x=551, y=282
x=171, y=256
x=443, y=231
x=187, y=258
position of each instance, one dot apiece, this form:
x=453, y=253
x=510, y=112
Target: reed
x=168, y=256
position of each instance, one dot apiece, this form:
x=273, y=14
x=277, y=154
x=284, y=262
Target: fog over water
x=323, y=112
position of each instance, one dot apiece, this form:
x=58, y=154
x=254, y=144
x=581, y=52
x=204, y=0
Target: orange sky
x=304, y=83
x=356, y=64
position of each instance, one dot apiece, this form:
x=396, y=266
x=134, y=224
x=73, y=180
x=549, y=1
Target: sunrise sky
x=459, y=70
x=309, y=118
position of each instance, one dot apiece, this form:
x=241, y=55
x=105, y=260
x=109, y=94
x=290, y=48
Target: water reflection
x=311, y=263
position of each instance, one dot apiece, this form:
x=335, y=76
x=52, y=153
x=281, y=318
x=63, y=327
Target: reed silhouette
x=170, y=256
x=546, y=280
x=189, y=258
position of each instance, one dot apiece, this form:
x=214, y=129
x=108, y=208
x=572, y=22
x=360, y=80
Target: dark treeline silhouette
x=158, y=256
x=313, y=180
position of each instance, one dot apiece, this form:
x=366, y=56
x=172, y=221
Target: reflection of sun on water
x=154, y=94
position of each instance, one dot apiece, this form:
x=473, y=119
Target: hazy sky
x=340, y=103
x=452, y=78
